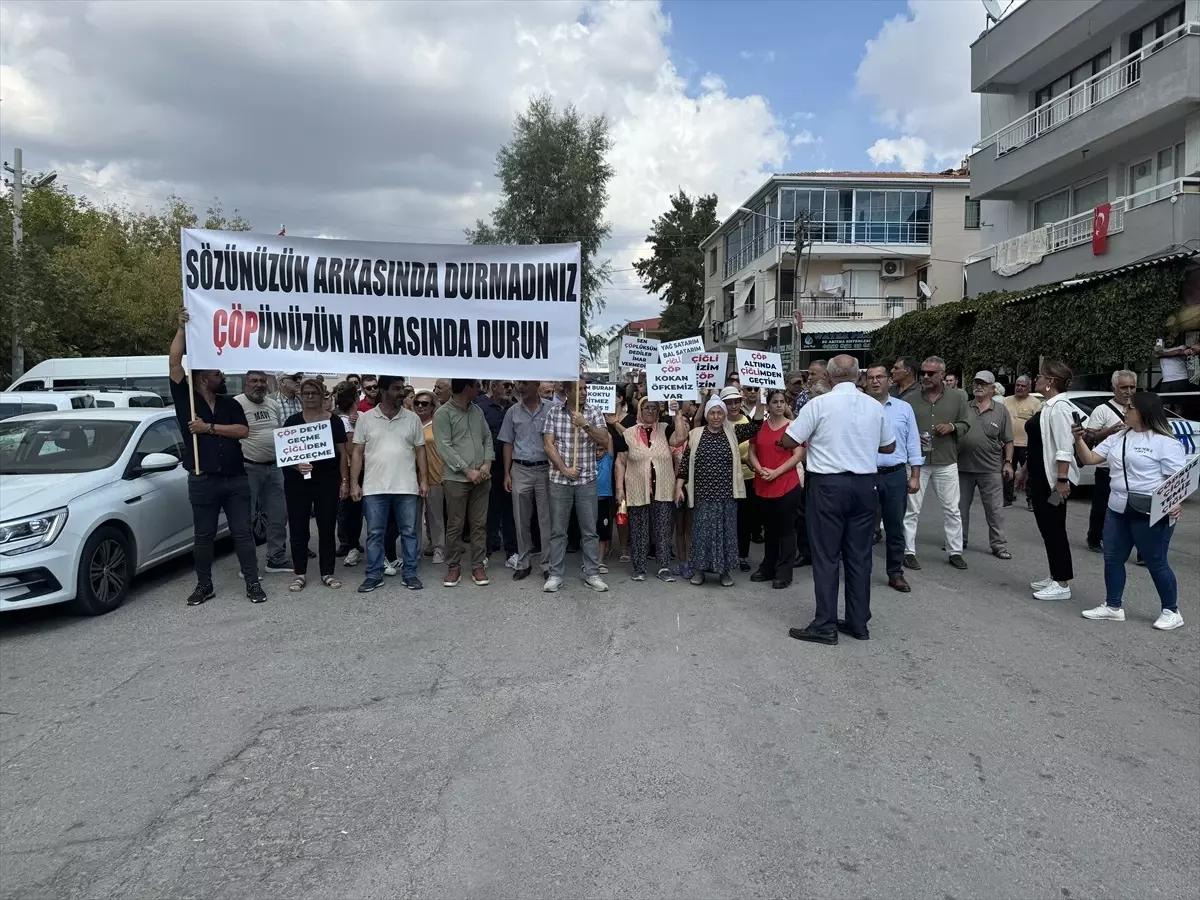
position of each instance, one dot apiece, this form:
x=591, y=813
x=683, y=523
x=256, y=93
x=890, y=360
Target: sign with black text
x=602, y=397
x=675, y=351
x=636, y=351
x=1175, y=490
x=303, y=443
x=837, y=340
x=671, y=381
x=759, y=369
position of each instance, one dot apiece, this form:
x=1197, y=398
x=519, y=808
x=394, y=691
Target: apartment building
x=1091, y=116
x=879, y=244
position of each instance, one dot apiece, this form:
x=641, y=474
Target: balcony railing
x=873, y=233
x=859, y=307
x=1104, y=85
x=724, y=332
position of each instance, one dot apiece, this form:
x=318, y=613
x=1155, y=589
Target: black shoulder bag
x=1135, y=504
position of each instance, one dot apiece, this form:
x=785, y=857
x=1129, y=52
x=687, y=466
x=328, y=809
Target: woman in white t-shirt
x=1139, y=459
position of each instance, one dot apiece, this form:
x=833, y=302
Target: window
x=160, y=386
x=30, y=386
x=1152, y=31
x=970, y=213
x=712, y=261
x=1054, y=208
x=154, y=402
x=1057, y=112
x=161, y=437
x=1089, y=196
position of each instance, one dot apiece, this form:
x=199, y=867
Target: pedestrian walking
x=217, y=479
x=1106, y=420
x=1021, y=407
x=527, y=474
x=465, y=444
x=263, y=416
x=899, y=473
x=941, y=416
x=350, y=511
x=314, y=489
x=845, y=431
x=433, y=507
x=1050, y=472
x=985, y=456
x=389, y=454
x=501, y=531
x=778, y=481
x=571, y=440
x=1140, y=458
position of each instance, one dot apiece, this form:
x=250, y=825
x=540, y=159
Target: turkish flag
x=1100, y=217
x=282, y=231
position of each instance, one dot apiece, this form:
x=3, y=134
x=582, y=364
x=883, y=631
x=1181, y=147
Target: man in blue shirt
x=899, y=472
x=501, y=530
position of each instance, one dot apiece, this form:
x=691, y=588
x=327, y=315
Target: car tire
x=105, y=571
x=258, y=524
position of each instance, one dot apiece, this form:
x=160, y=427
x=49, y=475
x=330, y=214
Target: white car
x=90, y=498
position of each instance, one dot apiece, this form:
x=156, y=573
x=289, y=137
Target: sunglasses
x=422, y=403
x=311, y=394
x=370, y=387
x=929, y=372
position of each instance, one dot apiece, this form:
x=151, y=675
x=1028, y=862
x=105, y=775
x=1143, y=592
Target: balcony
x=907, y=238
x=725, y=332
x=851, y=309
x=1146, y=222
x=1135, y=95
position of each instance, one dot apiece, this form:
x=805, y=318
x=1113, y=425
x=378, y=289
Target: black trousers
x=893, y=503
x=842, y=511
x=350, y=522
x=1020, y=454
x=501, y=527
x=1052, y=523
x=803, y=549
x=318, y=497
x=747, y=519
x=778, y=516
x=209, y=496
x=1099, y=510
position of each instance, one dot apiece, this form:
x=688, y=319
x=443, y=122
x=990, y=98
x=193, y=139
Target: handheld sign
x=678, y=351
x=1175, y=490
x=710, y=368
x=671, y=381
x=636, y=351
x=304, y=443
x=760, y=369
x=603, y=397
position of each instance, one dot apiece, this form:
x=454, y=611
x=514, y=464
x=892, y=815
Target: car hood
x=28, y=495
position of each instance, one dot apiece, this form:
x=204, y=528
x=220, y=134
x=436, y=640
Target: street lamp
x=17, y=352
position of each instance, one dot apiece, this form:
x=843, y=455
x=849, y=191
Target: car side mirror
x=157, y=462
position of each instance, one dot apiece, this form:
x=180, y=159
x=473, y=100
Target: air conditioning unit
x=892, y=268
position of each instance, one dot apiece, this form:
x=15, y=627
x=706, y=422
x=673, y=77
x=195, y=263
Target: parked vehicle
x=117, y=373
x=14, y=403
x=90, y=499
x=106, y=399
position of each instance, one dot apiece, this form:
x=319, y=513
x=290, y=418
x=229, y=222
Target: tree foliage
x=1095, y=327
x=554, y=176
x=675, y=268
x=94, y=281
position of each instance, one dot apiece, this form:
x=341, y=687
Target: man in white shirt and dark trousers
x=846, y=431
x=1106, y=419
x=263, y=415
x=899, y=472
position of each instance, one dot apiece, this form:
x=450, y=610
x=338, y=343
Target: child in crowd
x=604, y=506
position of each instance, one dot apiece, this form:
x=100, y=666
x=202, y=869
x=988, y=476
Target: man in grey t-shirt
x=985, y=455
x=264, y=415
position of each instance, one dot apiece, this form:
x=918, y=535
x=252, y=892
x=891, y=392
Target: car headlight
x=42, y=529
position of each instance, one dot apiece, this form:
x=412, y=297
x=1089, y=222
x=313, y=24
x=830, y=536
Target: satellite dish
x=993, y=9
x=924, y=289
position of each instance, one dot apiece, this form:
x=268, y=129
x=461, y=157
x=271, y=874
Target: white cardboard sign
x=676, y=351
x=671, y=381
x=304, y=443
x=636, y=351
x=602, y=397
x=710, y=368
x=760, y=369
x=1175, y=490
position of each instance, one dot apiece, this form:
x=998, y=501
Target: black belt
x=887, y=470
x=530, y=464
x=255, y=462
x=842, y=474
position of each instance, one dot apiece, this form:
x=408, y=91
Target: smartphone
x=1078, y=417
x=1055, y=498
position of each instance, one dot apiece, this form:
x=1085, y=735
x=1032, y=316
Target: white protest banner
x=671, y=381
x=760, y=369
x=277, y=303
x=602, y=397
x=1175, y=490
x=303, y=443
x=675, y=351
x=637, y=351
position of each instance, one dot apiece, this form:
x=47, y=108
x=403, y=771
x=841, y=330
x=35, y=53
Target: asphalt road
x=657, y=741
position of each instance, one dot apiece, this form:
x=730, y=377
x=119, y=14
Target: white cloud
x=372, y=119
x=927, y=101
x=764, y=56
x=804, y=138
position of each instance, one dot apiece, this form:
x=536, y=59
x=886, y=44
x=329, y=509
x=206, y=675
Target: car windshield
x=61, y=446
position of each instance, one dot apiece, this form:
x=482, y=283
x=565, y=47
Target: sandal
x=330, y=582
x=1001, y=554
x=297, y=584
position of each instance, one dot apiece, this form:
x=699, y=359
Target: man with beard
x=263, y=415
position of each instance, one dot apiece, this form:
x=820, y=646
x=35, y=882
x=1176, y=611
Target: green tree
x=554, y=178
x=675, y=269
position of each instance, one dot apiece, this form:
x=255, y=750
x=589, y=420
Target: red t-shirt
x=365, y=405
x=772, y=456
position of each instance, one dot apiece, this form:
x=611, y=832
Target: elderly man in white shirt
x=1106, y=419
x=845, y=431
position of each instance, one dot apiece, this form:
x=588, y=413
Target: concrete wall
x=952, y=243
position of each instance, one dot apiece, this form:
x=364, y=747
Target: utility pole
x=16, y=351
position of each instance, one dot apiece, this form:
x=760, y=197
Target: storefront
x=816, y=345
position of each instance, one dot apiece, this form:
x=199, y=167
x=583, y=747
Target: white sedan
x=88, y=501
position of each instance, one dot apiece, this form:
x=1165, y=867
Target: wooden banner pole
x=192, y=407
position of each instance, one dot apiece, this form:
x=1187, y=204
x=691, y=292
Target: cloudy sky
x=382, y=120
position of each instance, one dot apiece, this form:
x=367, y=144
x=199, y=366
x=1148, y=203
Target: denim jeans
x=580, y=499
x=1122, y=532
x=266, y=493
x=406, y=508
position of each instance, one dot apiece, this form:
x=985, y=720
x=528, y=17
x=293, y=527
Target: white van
x=117, y=373
x=18, y=403
x=106, y=399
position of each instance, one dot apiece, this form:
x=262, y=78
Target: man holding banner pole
x=216, y=472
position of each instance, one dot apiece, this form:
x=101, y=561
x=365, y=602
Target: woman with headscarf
x=645, y=483
x=711, y=472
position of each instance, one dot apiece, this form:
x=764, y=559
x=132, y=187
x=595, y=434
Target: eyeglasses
x=311, y=394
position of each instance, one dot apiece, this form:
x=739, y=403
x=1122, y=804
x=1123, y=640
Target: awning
x=839, y=325
x=1104, y=276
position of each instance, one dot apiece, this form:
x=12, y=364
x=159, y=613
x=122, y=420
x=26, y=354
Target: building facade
x=874, y=245
x=1091, y=116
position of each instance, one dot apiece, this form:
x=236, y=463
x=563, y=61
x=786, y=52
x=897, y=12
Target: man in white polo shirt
x=846, y=430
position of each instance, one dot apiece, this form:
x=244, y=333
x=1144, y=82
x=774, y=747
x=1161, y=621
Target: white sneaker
x=511, y=562
x=439, y=556
x=1168, y=620
x=596, y=583
x=553, y=583
x=1104, y=611
x=353, y=558
x=392, y=567
x=1055, y=591
x=1041, y=585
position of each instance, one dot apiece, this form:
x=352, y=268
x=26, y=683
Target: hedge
x=1094, y=327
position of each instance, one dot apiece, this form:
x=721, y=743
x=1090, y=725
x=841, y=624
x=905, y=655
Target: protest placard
x=304, y=443
x=1175, y=490
x=281, y=303
x=636, y=351
x=602, y=397
x=710, y=368
x=671, y=381
x=760, y=369
x=676, y=351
